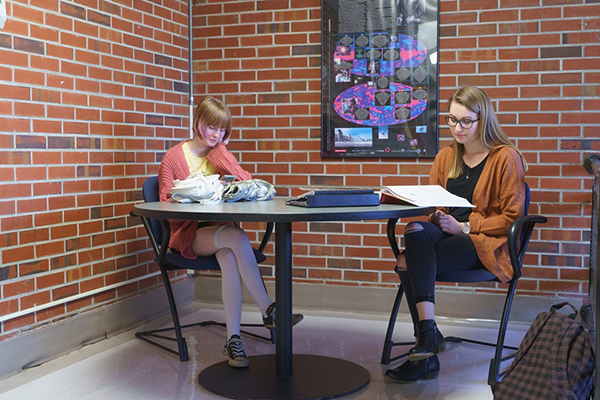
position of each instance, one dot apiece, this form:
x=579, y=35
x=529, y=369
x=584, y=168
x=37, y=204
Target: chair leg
x=495, y=363
x=177, y=327
x=388, y=344
x=269, y=338
x=494, y=373
x=181, y=343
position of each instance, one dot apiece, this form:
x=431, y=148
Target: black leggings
x=430, y=252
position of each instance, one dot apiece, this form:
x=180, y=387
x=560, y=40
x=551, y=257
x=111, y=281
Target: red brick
x=18, y=322
x=36, y=299
x=9, y=306
x=18, y=288
x=65, y=291
x=16, y=223
x=32, y=205
x=48, y=218
x=49, y=248
x=33, y=173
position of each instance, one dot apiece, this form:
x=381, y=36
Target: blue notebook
x=336, y=198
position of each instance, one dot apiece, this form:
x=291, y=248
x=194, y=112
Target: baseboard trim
x=34, y=348
x=373, y=300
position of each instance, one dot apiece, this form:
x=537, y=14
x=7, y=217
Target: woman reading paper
x=483, y=166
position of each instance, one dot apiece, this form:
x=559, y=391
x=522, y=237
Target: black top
x=464, y=186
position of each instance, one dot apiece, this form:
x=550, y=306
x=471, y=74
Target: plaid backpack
x=555, y=360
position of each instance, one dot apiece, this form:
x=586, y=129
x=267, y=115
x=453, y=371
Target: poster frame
x=361, y=116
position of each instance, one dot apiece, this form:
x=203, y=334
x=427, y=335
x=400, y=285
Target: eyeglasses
x=464, y=123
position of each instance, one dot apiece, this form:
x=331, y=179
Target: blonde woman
x=483, y=166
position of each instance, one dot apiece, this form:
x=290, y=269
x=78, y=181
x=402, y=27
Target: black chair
x=159, y=234
x=518, y=239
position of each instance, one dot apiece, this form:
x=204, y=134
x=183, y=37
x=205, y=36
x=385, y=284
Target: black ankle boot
x=429, y=341
x=414, y=371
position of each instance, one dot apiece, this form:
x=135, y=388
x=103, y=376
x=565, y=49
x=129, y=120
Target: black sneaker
x=234, y=350
x=269, y=320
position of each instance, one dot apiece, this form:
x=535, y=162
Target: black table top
x=274, y=210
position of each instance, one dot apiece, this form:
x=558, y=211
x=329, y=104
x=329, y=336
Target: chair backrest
x=150, y=194
x=527, y=198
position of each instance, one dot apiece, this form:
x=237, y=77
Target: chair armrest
x=518, y=239
x=266, y=237
x=165, y=238
x=160, y=249
x=391, y=235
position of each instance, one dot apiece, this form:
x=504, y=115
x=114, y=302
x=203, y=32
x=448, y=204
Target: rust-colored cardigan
x=500, y=200
x=174, y=166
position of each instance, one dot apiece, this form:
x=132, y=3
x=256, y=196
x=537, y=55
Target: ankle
x=427, y=322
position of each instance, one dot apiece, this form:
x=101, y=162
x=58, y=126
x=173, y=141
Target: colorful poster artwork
x=379, y=85
x=380, y=102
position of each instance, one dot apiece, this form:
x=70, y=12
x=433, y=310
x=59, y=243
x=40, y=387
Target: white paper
x=426, y=196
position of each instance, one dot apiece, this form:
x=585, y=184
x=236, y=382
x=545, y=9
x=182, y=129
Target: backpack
x=555, y=360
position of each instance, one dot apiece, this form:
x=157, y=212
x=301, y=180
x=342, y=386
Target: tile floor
x=123, y=367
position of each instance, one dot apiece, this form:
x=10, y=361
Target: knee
x=413, y=227
x=225, y=258
x=231, y=236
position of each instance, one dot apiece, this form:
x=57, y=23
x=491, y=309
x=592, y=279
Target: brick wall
x=93, y=92
x=90, y=91
x=542, y=74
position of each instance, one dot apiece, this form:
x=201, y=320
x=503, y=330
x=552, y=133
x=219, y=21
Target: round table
x=282, y=375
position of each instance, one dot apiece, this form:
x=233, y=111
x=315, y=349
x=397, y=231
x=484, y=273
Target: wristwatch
x=466, y=228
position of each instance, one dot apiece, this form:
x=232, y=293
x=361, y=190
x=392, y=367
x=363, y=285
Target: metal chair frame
x=159, y=234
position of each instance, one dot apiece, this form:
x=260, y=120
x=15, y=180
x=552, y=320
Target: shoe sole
x=422, y=356
x=430, y=376
x=238, y=364
x=296, y=318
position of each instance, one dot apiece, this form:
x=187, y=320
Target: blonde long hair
x=491, y=134
x=212, y=112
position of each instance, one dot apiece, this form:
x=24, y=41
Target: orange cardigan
x=499, y=198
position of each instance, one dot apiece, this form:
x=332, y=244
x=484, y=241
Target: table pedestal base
x=314, y=377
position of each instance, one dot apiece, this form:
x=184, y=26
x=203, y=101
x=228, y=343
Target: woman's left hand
x=449, y=225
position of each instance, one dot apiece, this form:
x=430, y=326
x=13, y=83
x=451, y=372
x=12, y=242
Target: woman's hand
x=447, y=223
x=435, y=217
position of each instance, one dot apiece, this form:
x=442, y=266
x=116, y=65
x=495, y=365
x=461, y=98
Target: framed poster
x=379, y=78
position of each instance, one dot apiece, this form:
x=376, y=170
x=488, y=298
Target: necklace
x=470, y=161
x=469, y=169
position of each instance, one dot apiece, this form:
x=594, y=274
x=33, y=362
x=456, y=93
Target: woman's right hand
x=448, y=224
x=435, y=217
